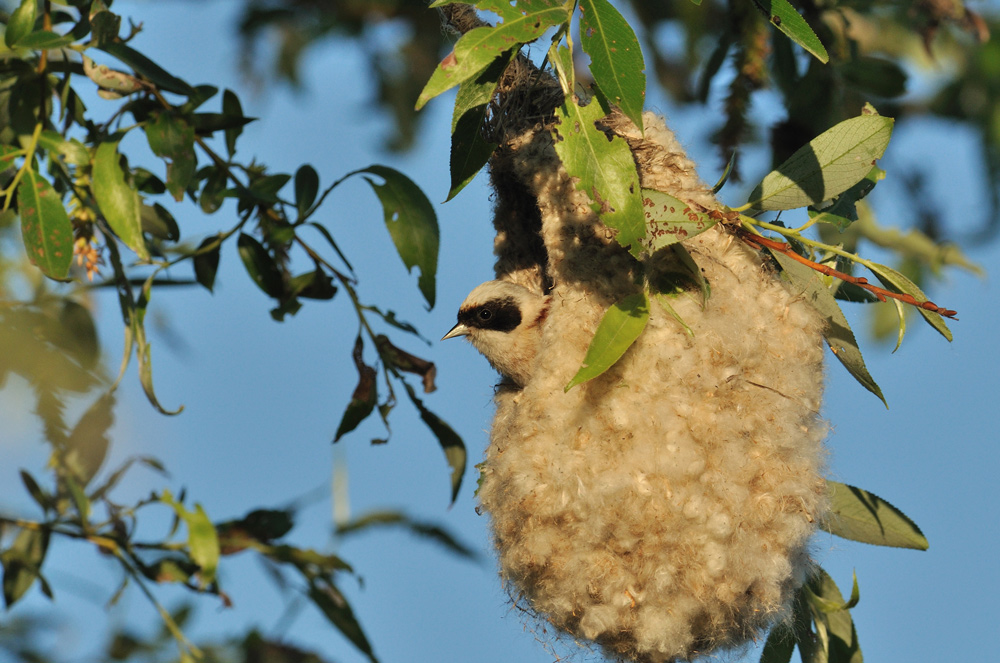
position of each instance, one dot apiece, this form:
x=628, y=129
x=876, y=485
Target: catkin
x=664, y=509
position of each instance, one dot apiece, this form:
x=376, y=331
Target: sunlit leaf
x=837, y=332
x=118, y=201
x=203, y=541
x=670, y=220
x=859, y=515
x=478, y=47
x=44, y=40
x=828, y=165
x=615, y=57
x=621, y=325
x=605, y=168
x=21, y=22
x=412, y=224
x=45, y=226
x=782, y=15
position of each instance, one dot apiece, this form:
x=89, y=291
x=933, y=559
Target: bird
x=503, y=321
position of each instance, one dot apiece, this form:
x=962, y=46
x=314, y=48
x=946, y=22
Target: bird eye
x=485, y=314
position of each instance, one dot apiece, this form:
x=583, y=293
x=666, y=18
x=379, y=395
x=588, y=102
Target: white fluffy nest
x=663, y=510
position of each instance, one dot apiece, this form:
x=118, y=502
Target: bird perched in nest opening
x=503, y=321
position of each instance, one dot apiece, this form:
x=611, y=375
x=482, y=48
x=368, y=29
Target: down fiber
x=664, y=509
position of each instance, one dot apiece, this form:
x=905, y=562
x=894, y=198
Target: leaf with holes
x=670, y=220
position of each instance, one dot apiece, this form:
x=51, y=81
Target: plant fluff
x=662, y=510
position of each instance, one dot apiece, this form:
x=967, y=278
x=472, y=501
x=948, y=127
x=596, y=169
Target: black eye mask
x=501, y=315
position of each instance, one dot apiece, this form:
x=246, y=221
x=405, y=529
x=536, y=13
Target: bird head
x=503, y=321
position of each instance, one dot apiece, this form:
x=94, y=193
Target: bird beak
x=457, y=330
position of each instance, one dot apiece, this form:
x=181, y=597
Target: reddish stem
x=759, y=242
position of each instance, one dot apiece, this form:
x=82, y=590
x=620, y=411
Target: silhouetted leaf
x=364, y=397
x=147, y=68
x=451, y=443
x=206, y=264
x=336, y=609
x=260, y=265
x=22, y=563
x=411, y=221
x=306, y=188
x=395, y=519
x=404, y=361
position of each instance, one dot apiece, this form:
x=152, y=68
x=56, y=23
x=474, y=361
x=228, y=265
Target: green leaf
x=782, y=15
x=451, y=443
x=481, y=46
x=779, y=645
x=843, y=212
x=260, y=266
x=615, y=57
x=830, y=164
x=203, y=540
x=412, y=224
x=41, y=498
x=143, y=350
x=147, y=68
x=306, y=188
x=266, y=188
x=388, y=519
x=670, y=220
x=45, y=226
x=231, y=107
x=874, y=76
x=88, y=444
x=119, y=202
x=43, y=40
x=205, y=124
x=469, y=150
x=72, y=151
x=364, y=397
x=338, y=611
x=836, y=639
x=619, y=328
x=172, y=138
x=158, y=222
x=838, y=332
x=561, y=58
x=605, y=169
x=22, y=563
x=897, y=282
x=21, y=22
x=206, y=262
x=858, y=515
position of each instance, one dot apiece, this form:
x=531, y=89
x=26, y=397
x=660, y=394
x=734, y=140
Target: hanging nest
x=664, y=509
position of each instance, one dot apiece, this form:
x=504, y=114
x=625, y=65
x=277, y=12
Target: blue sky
x=263, y=400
